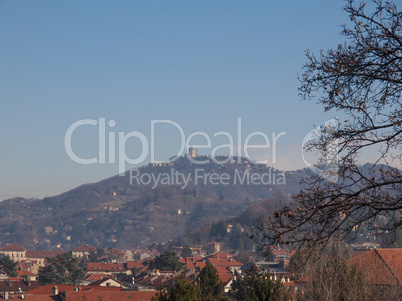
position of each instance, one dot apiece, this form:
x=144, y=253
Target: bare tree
x=331, y=276
x=362, y=81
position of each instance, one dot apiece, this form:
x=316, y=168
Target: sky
x=203, y=65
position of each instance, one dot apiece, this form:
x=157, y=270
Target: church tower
x=191, y=152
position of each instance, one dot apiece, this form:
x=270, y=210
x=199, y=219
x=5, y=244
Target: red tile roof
x=13, y=247
x=281, y=252
x=84, y=248
x=194, y=258
x=219, y=255
x=94, y=295
x=43, y=254
x=97, y=276
x=40, y=298
x=25, y=272
x=47, y=289
x=225, y=277
x=224, y=274
x=222, y=269
x=107, y=267
x=135, y=264
x=14, y=285
x=223, y=262
x=289, y=284
x=393, y=259
x=154, y=252
x=22, y=265
x=380, y=266
x=200, y=264
x=190, y=265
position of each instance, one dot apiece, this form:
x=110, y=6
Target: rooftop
x=84, y=248
x=381, y=266
x=13, y=247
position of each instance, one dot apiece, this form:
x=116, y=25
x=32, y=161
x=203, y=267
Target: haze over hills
x=159, y=203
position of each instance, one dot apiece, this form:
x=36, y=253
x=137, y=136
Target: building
x=106, y=282
x=64, y=292
x=193, y=153
x=214, y=247
x=107, y=268
x=40, y=256
x=83, y=250
x=12, y=286
x=15, y=252
x=382, y=267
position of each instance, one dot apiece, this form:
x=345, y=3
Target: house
x=154, y=281
x=25, y=273
x=137, y=266
x=107, y=295
x=12, y=286
x=222, y=259
x=63, y=292
x=119, y=256
x=230, y=263
x=48, y=230
x=200, y=265
x=219, y=255
x=226, y=277
x=23, y=266
x=40, y=256
x=279, y=253
x=107, y=268
x=382, y=267
x=107, y=282
x=83, y=250
x=92, y=294
x=145, y=255
x=190, y=262
x=291, y=287
x=128, y=255
x=96, y=276
x=15, y=252
x=54, y=289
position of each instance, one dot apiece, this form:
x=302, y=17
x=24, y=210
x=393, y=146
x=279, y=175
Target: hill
x=155, y=203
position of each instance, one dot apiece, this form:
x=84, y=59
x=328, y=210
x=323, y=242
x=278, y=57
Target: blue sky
x=202, y=64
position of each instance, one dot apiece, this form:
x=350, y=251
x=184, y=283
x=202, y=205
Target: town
x=201, y=150
x=142, y=274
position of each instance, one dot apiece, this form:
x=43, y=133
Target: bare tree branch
x=360, y=79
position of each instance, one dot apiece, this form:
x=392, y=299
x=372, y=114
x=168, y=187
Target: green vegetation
x=256, y=286
x=210, y=284
x=113, y=213
x=207, y=287
x=181, y=290
x=167, y=261
x=63, y=269
x=8, y=266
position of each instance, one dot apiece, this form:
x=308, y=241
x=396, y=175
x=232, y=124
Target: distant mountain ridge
x=115, y=212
